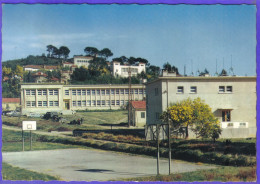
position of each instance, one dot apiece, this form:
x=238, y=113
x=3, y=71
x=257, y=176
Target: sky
x=192, y=36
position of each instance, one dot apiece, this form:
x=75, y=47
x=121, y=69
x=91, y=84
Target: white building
x=123, y=70
x=138, y=113
x=232, y=100
x=43, y=98
x=82, y=61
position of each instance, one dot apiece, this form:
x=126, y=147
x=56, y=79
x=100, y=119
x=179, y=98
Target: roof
x=33, y=66
x=84, y=57
x=50, y=67
x=10, y=100
x=55, y=79
x=38, y=74
x=139, y=104
x=68, y=63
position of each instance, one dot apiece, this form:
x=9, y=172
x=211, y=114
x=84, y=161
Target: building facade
x=138, y=113
x=232, y=100
x=10, y=103
x=43, y=98
x=82, y=61
x=123, y=70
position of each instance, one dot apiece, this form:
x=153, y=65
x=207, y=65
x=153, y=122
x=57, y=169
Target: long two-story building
x=43, y=98
x=231, y=98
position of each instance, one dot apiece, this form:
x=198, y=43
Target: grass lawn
x=92, y=120
x=12, y=141
x=222, y=174
x=10, y=172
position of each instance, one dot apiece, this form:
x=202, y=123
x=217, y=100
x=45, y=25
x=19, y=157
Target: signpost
x=28, y=125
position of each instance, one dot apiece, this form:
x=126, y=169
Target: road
x=94, y=165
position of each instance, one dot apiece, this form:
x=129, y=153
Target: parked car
x=5, y=112
x=49, y=115
x=34, y=115
x=13, y=114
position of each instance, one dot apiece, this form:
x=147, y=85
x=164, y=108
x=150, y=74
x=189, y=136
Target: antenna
x=192, y=68
x=216, y=67
x=231, y=70
x=184, y=70
x=223, y=63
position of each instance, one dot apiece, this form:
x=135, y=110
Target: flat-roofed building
x=231, y=98
x=82, y=61
x=123, y=70
x=43, y=98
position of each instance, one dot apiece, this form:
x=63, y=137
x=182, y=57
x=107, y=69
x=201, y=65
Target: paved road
x=93, y=165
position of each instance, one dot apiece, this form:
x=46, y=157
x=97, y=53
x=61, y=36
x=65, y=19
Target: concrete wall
x=241, y=101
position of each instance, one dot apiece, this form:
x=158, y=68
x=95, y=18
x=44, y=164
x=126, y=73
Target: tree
x=6, y=71
x=167, y=66
x=52, y=50
x=64, y=51
x=223, y=73
x=19, y=71
x=195, y=114
x=105, y=53
x=91, y=51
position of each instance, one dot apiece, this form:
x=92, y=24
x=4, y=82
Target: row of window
x=85, y=103
x=103, y=91
x=82, y=61
x=134, y=70
x=193, y=89
x=42, y=92
x=42, y=104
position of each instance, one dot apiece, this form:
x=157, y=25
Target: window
x=67, y=92
x=180, y=89
x=140, y=91
x=229, y=89
x=88, y=92
x=93, y=92
x=112, y=91
x=83, y=92
x=221, y=89
x=28, y=92
x=121, y=91
x=73, y=92
x=55, y=92
x=136, y=91
x=88, y=103
x=79, y=103
x=98, y=102
x=39, y=103
x=50, y=91
x=108, y=102
x=32, y=92
x=144, y=91
x=78, y=92
x=156, y=91
x=73, y=103
x=28, y=104
x=142, y=114
x=84, y=103
x=103, y=102
x=117, y=102
x=33, y=104
x=112, y=102
x=103, y=92
x=94, y=102
x=157, y=115
x=193, y=89
x=117, y=91
x=98, y=92
x=243, y=125
x=122, y=102
x=226, y=115
x=132, y=91
x=51, y=103
x=127, y=91
x=107, y=92
x=44, y=103
x=39, y=92
x=44, y=92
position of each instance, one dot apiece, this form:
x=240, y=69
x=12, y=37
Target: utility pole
x=129, y=97
x=169, y=131
x=158, y=149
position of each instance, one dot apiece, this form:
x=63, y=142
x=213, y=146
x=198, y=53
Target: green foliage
x=195, y=114
x=10, y=172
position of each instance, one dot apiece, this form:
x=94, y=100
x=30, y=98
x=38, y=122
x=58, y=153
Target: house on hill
x=138, y=113
x=119, y=70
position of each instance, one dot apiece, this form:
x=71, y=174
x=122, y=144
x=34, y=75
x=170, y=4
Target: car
x=49, y=115
x=34, y=115
x=13, y=114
